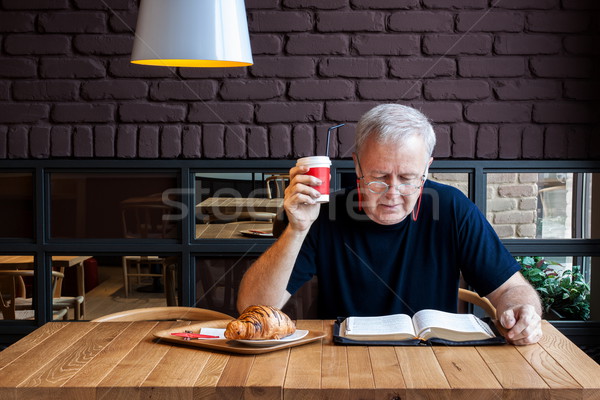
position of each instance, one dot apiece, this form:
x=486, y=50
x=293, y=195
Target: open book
x=425, y=325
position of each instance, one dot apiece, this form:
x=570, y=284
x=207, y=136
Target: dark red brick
x=26, y=44
x=492, y=67
x=3, y=142
x=235, y=141
x=258, y=144
x=17, y=68
x=370, y=89
x=581, y=90
x=122, y=21
x=578, y=142
x=580, y=5
x=464, y=139
x=83, y=142
x=443, y=146
x=321, y=140
x=580, y=44
x=288, y=112
x=500, y=112
x=104, y=4
x=509, y=143
x=345, y=136
x=457, y=44
x=283, y=67
x=562, y=67
x=192, y=141
x=347, y=111
x=450, y=4
x=527, y=4
x=213, y=140
x=127, y=141
x=114, y=89
x=72, y=22
x=104, y=141
x=266, y=44
x=252, y=89
x=564, y=113
x=440, y=111
x=170, y=142
x=164, y=90
x=251, y=4
x=148, y=141
x=555, y=143
x=15, y=113
x=487, y=142
x=46, y=90
x=317, y=44
x=200, y=73
x=490, y=21
x=527, y=89
x=533, y=142
x=279, y=21
x=35, y=4
x=106, y=45
x=421, y=21
x=83, y=112
x=60, y=141
x=17, y=22
x=419, y=68
x=558, y=21
x=323, y=89
x=303, y=137
x=456, y=89
x=318, y=4
x=18, y=142
x=71, y=68
x=527, y=44
x=39, y=142
x=123, y=68
x=387, y=44
x=4, y=90
x=353, y=67
x=221, y=112
x=385, y=4
x=147, y=112
x=350, y=21
x=280, y=141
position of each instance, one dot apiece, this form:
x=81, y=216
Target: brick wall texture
x=500, y=79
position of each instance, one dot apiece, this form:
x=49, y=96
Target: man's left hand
x=523, y=325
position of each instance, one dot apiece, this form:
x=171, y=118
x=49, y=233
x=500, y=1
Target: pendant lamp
x=192, y=33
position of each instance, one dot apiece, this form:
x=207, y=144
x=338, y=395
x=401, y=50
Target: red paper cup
x=319, y=168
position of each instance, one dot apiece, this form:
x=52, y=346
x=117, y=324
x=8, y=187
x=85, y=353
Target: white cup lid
x=313, y=160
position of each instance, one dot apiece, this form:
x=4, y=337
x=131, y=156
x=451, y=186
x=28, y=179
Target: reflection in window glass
x=16, y=205
x=539, y=205
x=457, y=180
x=104, y=205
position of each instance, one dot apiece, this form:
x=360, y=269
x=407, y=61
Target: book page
x=384, y=325
x=440, y=321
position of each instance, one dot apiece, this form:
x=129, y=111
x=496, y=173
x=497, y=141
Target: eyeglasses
x=379, y=187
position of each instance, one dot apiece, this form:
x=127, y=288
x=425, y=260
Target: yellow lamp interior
x=192, y=63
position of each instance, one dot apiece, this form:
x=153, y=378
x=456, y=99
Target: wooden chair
x=276, y=185
x=164, y=314
x=473, y=298
x=14, y=304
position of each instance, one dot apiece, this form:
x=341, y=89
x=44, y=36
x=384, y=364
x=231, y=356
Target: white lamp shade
x=192, y=33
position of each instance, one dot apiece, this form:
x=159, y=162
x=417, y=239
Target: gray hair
x=394, y=123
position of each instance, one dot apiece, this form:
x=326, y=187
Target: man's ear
x=355, y=164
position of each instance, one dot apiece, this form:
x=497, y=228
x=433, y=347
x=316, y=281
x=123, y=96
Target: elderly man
x=395, y=244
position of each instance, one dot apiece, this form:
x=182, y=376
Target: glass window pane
x=540, y=205
x=16, y=287
x=458, y=180
x=114, y=205
x=16, y=205
x=238, y=205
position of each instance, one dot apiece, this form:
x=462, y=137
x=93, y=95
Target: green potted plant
x=564, y=295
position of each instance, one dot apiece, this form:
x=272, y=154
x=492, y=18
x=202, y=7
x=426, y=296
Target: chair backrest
x=12, y=286
x=164, y=314
x=276, y=185
x=473, y=298
x=147, y=217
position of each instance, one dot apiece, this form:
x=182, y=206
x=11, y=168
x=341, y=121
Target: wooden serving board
x=228, y=345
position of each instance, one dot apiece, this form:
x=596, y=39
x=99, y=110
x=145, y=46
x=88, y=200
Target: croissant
x=260, y=322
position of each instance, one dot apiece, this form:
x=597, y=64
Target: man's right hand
x=300, y=199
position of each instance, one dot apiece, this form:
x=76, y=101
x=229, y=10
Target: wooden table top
x=230, y=230
x=57, y=261
x=86, y=360
x=229, y=205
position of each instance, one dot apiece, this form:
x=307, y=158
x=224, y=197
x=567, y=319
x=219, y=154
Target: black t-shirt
x=365, y=268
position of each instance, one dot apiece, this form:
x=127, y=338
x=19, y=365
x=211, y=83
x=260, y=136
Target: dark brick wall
x=501, y=79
